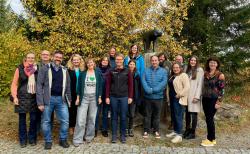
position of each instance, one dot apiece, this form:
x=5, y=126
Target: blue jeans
x=119, y=106
x=62, y=113
x=177, y=111
x=23, y=130
x=103, y=108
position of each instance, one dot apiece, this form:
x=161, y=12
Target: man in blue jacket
x=154, y=81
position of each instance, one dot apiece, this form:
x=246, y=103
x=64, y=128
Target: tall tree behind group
x=91, y=27
x=220, y=28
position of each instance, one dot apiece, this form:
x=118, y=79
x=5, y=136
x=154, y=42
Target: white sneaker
x=177, y=139
x=173, y=134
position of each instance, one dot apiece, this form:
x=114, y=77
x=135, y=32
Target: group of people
x=83, y=90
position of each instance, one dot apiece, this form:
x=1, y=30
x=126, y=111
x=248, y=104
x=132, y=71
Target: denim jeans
x=62, y=113
x=177, y=111
x=152, y=114
x=85, y=119
x=23, y=130
x=209, y=111
x=102, y=108
x=119, y=106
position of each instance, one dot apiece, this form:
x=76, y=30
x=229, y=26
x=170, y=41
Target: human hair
x=132, y=61
x=29, y=53
x=87, y=60
x=193, y=70
x=119, y=55
x=70, y=62
x=176, y=63
x=207, y=68
x=162, y=54
x=105, y=56
x=153, y=56
x=58, y=52
x=130, y=50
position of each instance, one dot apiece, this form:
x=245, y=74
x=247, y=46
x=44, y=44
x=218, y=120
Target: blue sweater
x=140, y=64
x=154, y=82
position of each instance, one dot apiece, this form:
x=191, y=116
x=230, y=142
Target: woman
x=178, y=94
x=119, y=93
x=88, y=97
x=196, y=76
x=136, y=98
x=212, y=96
x=104, y=67
x=23, y=91
x=75, y=65
x=134, y=53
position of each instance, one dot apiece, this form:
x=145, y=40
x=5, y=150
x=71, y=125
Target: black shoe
x=23, y=145
x=126, y=133
x=96, y=131
x=64, y=143
x=131, y=132
x=105, y=133
x=114, y=138
x=47, y=145
x=32, y=143
x=191, y=134
x=123, y=139
x=186, y=133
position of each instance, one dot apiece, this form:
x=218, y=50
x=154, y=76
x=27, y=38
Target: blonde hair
x=87, y=60
x=82, y=63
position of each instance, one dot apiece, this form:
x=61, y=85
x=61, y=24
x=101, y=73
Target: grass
x=237, y=93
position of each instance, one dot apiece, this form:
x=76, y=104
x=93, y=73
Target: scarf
x=29, y=70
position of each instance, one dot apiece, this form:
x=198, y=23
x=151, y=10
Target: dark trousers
x=176, y=114
x=209, y=110
x=72, y=115
x=32, y=134
x=102, y=108
x=131, y=114
x=152, y=114
x=119, y=106
x=191, y=117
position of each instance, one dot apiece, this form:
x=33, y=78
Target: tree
x=220, y=28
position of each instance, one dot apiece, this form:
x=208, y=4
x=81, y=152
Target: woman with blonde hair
x=89, y=95
x=23, y=91
x=75, y=65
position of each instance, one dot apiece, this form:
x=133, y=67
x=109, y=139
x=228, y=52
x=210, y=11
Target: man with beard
x=53, y=93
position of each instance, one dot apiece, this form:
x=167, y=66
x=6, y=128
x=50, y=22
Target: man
x=53, y=93
x=154, y=82
x=119, y=93
x=45, y=60
x=180, y=59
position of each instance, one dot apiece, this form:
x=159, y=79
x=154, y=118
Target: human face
x=193, y=62
x=176, y=69
x=179, y=59
x=119, y=61
x=162, y=58
x=76, y=61
x=58, y=58
x=213, y=65
x=112, y=52
x=45, y=56
x=155, y=61
x=131, y=66
x=91, y=65
x=134, y=49
x=105, y=62
x=30, y=58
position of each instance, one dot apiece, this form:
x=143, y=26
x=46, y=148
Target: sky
x=16, y=6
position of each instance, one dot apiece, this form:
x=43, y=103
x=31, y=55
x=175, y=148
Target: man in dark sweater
x=119, y=93
x=53, y=93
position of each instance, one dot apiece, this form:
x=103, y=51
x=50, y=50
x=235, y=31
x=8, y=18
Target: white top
x=90, y=84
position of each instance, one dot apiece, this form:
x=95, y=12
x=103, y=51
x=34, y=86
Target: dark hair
x=189, y=68
x=172, y=72
x=134, y=61
x=105, y=56
x=130, y=50
x=162, y=54
x=212, y=59
x=58, y=52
